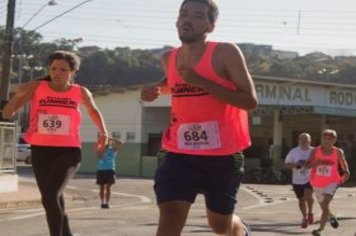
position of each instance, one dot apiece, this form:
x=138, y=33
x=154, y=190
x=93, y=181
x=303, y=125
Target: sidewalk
x=27, y=194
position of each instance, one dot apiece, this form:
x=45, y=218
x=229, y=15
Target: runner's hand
x=101, y=144
x=345, y=178
x=188, y=74
x=150, y=93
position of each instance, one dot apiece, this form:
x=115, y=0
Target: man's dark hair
x=213, y=11
x=72, y=59
x=45, y=78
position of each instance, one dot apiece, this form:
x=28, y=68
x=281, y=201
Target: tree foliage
x=123, y=66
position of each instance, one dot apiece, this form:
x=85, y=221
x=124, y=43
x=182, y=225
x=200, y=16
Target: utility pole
x=298, y=23
x=8, y=50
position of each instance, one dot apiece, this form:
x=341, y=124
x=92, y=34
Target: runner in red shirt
x=212, y=91
x=54, y=132
x=324, y=175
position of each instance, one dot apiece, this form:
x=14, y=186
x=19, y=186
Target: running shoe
x=333, y=221
x=310, y=218
x=316, y=232
x=304, y=223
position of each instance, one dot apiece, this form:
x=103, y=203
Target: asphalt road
x=270, y=210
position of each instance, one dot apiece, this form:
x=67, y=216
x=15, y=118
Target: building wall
x=137, y=121
x=122, y=113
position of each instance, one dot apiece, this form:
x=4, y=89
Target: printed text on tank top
x=197, y=136
x=56, y=124
x=198, y=119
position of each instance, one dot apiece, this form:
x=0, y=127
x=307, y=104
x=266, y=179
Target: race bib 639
x=53, y=124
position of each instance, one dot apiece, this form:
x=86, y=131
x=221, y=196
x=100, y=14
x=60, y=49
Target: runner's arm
x=289, y=161
x=23, y=95
x=152, y=91
x=163, y=83
x=94, y=112
x=344, y=166
x=116, y=143
x=234, y=67
x=291, y=165
x=310, y=163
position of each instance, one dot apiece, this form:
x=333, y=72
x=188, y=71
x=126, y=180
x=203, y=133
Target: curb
x=22, y=203
x=33, y=202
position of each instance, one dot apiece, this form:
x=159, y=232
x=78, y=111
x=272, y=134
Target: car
x=23, y=153
x=23, y=150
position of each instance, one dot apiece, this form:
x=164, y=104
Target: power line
x=50, y=3
x=153, y=42
x=97, y=16
x=313, y=25
x=237, y=23
x=234, y=13
x=62, y=14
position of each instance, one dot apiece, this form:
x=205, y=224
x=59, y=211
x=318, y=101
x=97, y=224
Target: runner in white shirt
x=300, y=179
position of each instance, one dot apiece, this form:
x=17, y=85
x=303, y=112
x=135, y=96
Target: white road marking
x=25, y=216
x=261, y=200
x=142, y=199
x=71, y=187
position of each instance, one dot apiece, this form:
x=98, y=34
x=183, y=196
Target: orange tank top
x=55, y=117
x=200, y=123
x=324, y=175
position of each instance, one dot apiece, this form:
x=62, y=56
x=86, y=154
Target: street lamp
x=75, y=40
x=31, y=69
x=64, y=42
x=50, y=3
x=21, y=58
x=62, y=14
x=328, y=72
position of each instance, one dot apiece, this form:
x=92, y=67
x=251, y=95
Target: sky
x=304, y=26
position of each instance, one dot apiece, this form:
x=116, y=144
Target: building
x=286, y=108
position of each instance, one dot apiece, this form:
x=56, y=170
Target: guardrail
x=8, y=140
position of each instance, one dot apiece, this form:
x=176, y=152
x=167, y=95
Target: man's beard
x=190, y=38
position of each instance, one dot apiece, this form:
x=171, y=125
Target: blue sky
x=303, y=25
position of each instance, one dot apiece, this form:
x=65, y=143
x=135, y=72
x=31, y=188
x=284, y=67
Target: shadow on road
x=281, y=227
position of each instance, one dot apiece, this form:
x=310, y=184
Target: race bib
x=53, y=124
x=303, y=171
x=199, y=136
x=323, y=170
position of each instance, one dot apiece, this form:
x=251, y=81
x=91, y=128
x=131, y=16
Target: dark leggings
x=53, y=168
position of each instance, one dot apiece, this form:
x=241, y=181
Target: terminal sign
x=341, y=98
x=287, y=94
x=294, y=94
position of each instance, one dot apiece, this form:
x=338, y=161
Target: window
x=116, y=134
x=154, y=144
x=130, y=136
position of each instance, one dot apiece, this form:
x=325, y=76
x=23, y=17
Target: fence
x=8, y=140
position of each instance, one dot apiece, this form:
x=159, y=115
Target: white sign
x=301, y=95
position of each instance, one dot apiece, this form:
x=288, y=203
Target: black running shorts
x=182, y=177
